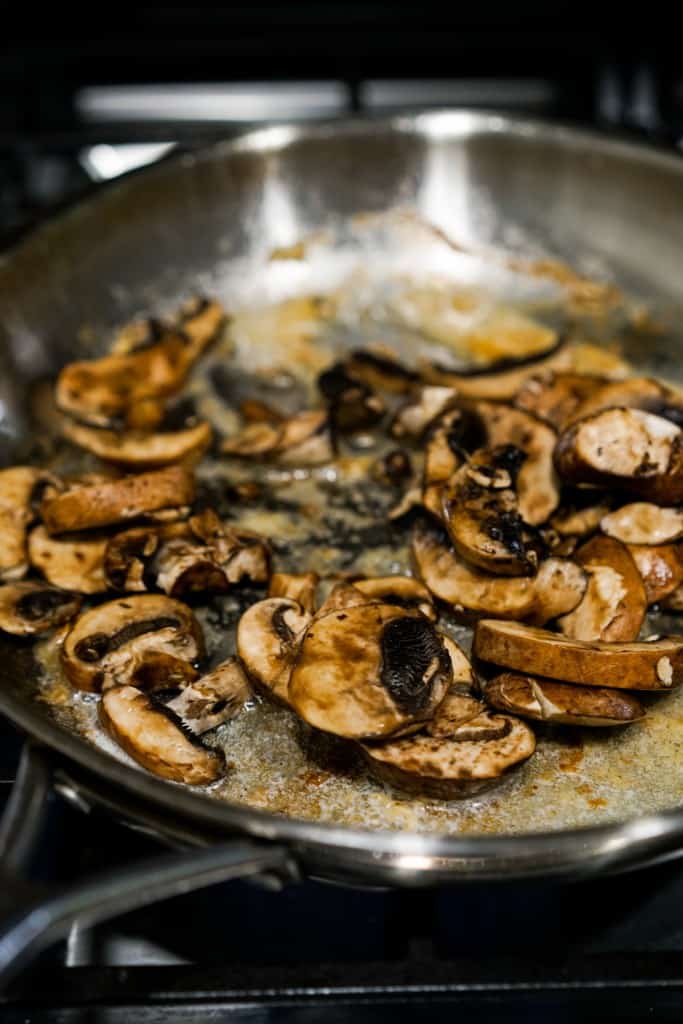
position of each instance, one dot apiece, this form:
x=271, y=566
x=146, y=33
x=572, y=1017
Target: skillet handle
x=31, y=920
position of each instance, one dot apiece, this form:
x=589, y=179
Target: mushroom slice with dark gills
x=72, y=562
x=88, y=506
x=268, y=637
x=644, y=523
x=477, y=754
x=369, y=671
x=155, y=738
x=206, y=554
x=555, y=397
x=404, y=591
x=614, y=604
x=28, y=608
x=128, y=557
x=141, y=449
x=660, y=567
x=556, y=589
x=353, y=404
x=537, y=485
x=213, y=699
x=549, y=701
x=644, y=665
x=18, y=487
x=415, y=416
x=481, y=513
x=300, y=587
x=627, y=449
x=147, y=640
x=304, y=440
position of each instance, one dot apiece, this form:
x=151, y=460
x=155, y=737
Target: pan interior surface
x=320, y=242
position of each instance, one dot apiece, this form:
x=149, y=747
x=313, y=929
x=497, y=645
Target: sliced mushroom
x=353, y=404
x=559, y=587
x=206, y=554
x=647, y=665
x=369, y=671
x=614, y=604
x=394, y=468
x=555, y=397
x=632, y=393
x=29, y=608
x=537, y=485
x=87, y=506
x=475, y=756
x=414, y=417
x=145, y=640
x=128, y=556
x=151, y=736
x=72, y=563
x=462, y=586
x=139, y=449
x=629, y=449
x=297, y=587
x=403, y=591
x=268, y=637
x=674, y=602
x=581, y=517
x=201, y=321
x=381, y=371
x=212, y=700
x=340, y=597
x=481, y=513
x=644, y=523
x=409, y=503
x=499, y=381
x=18, y=487
x=459, y=705
x=660, y=567
x=548, y=701
x=304, y=439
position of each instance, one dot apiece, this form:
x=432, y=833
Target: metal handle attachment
x=31, y=920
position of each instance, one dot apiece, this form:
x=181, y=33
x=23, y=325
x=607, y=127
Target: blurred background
x=83, y=99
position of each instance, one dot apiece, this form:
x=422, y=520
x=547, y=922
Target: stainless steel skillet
x=486, y=179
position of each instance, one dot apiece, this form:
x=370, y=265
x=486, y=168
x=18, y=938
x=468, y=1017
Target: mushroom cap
x=141, y=449
x=614, y=603
x=549, y=701
x=642, y=522
x=268, y=637
x=645, y=665
x=72, y=562
x=404, y=591
x=28, y=608
x=559, y=586
x=478, y=753
x=155, y=740
x=87, y=506
x=137, y=639
x=660, y=567
x=369, y=671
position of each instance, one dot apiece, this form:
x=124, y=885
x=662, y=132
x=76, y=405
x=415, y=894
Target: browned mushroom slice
x=648, y=665
x=353, y=404
x=304, y=439
x=403, y=591
x=72, y=563
x=459, y=705
x=548, y=701
x=151, y=737
x=481, y=513
x=644, y=523
x=117, y=642
x=127, y=557
x=300, y=587
x=268, y=637
x=632, y=393
x=632, y=450
x=408, y=504
x=674, y=601
x=206, y=554
x=369, y=671
x=660, y=567
x=212, y=700
x=201, y=321
x=416, y=415
x=394, y=468
x=582, y=517
x=30, y=608
x=138, y=449
x=18, y=487
x=443, y=455
x=499, y=381
x=537, y=486
x=555, y=397
x=614, y=604
x=475, y=756
x=84, y=507
x=341, y=596
x=559, y=587
x=381, y=371
x=464, y=587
